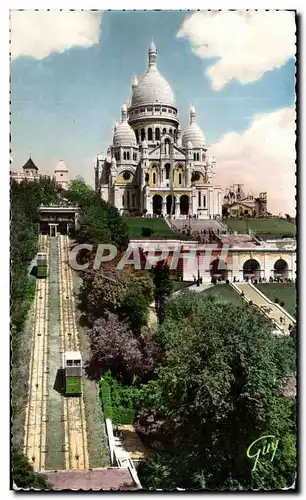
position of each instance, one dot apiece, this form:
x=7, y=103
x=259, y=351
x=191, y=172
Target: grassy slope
x=179, y=285
x=285, y=292
x=160, y=227
x=272, y=226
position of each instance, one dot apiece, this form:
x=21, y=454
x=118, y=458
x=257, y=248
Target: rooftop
x=111, y=478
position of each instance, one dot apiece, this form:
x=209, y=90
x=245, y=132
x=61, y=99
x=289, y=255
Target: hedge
x=106, y=399
x=112, y=403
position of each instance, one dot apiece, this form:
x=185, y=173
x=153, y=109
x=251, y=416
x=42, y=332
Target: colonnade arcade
x=175, y=205
x=252, y=269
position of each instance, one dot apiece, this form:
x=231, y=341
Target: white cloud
x=39, y=33
x=248, y=43
x=262, y=158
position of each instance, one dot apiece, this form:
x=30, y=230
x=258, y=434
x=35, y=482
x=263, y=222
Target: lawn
x=285, y=292
x=225, y=292
x=180, y=285
x=159, y=226
x=262, y=227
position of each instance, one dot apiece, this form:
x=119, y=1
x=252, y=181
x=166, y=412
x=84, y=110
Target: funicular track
x=36, y=409
x=75, y=447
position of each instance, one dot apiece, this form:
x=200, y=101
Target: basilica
x=153, y=167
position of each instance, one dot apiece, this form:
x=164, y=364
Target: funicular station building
x=58, y=219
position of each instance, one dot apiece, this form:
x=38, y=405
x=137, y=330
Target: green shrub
x=119, y=403
x=276, y=300
x=123, y=416
x=147, y=231
x=282, y=303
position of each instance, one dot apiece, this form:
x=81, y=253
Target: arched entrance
x=184, y=204
x=251, y=269
x=170, y=204
x=157, y=204
x=280, y=269
x=218, y=269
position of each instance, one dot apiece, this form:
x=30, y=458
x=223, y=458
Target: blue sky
x=63, y=106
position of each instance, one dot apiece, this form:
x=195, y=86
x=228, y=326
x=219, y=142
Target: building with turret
x=153, y=167
x=30, y=172
x=236, y=203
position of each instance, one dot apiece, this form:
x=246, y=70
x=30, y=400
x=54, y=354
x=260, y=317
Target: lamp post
x=198, y=262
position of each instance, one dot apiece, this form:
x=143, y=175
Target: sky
x=72, y=70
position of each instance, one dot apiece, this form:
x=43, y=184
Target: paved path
x=274, y=312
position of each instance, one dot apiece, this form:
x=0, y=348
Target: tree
x=218, y=390
x=99, y=221
x=116, y=349
x=24, y=476
x=79, y=191
x=126, y=292
x=163, y=287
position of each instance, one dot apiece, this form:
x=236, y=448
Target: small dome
x=152, y=88
x=193, y=132
x=124, y=135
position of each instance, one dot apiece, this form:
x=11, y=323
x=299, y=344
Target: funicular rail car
x=41, y=264
x=72, y=365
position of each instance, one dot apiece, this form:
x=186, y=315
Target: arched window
x=124, y=155
x=198, y=156
x=204, y=200
x=170, y=131
x=128, y=198
x=199, y=198
x=167, y=146
x=137, y=135
x=123, y=200
x=154, y=178
x=194, y=156
x=128, y=155
x=167, y=168
x=157, y=134
x=180, y=178
x=150, y=134
x=164, y=131
x=133, y=200
x=203, y=157
x=143, y=134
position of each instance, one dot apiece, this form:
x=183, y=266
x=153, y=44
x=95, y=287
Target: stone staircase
x=278, y=315
x=197, y=224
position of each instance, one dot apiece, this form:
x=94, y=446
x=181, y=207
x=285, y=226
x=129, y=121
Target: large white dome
x=193, y=132
x=152, y=87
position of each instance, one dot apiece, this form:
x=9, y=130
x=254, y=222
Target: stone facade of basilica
x=152, y=166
